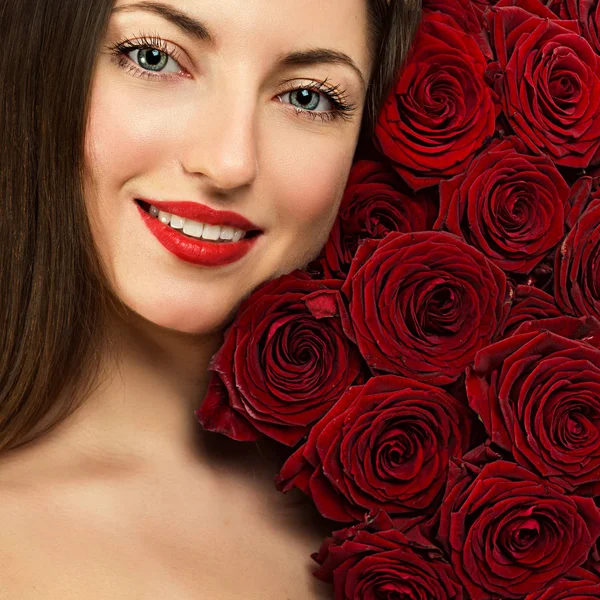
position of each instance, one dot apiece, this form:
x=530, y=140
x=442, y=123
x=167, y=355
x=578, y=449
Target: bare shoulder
x=140, y=538
x=20, y=511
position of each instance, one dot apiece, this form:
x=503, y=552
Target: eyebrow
x=199, y=30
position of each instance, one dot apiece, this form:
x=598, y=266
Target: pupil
x=307, y=97
x=152, y=58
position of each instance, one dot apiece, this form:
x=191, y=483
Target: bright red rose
x=422, y=304
x=577, y=269
x=550, y=82
x=384, y=445
x=373, y=560
x=441, y=111
x=284, y=363
x=509, y=204
x=538, y=395
x=372, y=206
x=510, y=533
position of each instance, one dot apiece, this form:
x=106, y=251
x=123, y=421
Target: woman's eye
x=155, y=60
x=308, y=99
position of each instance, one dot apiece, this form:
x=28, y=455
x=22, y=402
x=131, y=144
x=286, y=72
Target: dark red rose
x=529, y=304
x=580, y=198
x=592, y=563
x=510, y=533
x=482, y=454
x=284, y=362
x=422, y=304
x=468, y=16
x=374, y=560
x=551, y=81
x=384, y=445
x=577, y=269
x=579, y=584
x=482, y=5
x=441, y=112
x=509, y=204
x=586, y=13
x=538, y=395
x=372, y=206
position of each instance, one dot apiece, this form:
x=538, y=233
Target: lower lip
x=197, y=252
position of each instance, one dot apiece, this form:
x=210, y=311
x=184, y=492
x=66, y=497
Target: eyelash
x=343, y=108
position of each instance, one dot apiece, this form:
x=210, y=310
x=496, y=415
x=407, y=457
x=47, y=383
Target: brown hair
x=54, y=296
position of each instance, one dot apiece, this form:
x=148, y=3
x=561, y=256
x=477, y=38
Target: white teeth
x=226, y=233
x=192, y=228
x=177, y=222
x=199, y=230
x=211, y=232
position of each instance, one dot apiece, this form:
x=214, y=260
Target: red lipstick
x=203, y=214
x=195, y=251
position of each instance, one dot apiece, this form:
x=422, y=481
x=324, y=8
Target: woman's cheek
x=307, y=207
x=127, y=129
x=314, y=188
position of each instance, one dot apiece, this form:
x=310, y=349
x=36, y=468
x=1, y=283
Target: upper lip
x=203, y=213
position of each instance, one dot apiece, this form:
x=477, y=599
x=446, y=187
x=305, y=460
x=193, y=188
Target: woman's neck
x=141, y=411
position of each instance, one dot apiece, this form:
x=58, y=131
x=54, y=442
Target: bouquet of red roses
x=436, y=370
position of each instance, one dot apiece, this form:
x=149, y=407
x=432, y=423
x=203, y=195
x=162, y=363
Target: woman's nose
x=221, y=141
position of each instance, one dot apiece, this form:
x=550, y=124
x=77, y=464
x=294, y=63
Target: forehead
x=255, y=28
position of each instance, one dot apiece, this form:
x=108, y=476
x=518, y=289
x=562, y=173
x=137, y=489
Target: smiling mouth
x=215, y=234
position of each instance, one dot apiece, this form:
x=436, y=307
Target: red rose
x=509, y=204
x=551, y=81
x=538, y=395
x=441, y=111
x=373, y=560
x=284, y=363
x=384, y=445
x=510, y=533
x=578, y=585
x=482, y=5
x=468, y=16
x=586, y=13
x=371, y=207
x=577, y=270
x=422, y=304
x=580, y=198
x=529, y=304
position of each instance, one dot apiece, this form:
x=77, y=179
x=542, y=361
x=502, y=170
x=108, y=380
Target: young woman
x=160, y=160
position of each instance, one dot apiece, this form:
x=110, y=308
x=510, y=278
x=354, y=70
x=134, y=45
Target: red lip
x=197, y=252
x=204, y=214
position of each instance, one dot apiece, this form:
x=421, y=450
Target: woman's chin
x=198, y=319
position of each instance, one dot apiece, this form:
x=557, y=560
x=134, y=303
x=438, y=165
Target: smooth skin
x=130, y=498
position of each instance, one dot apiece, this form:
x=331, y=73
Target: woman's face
x=227, y=123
